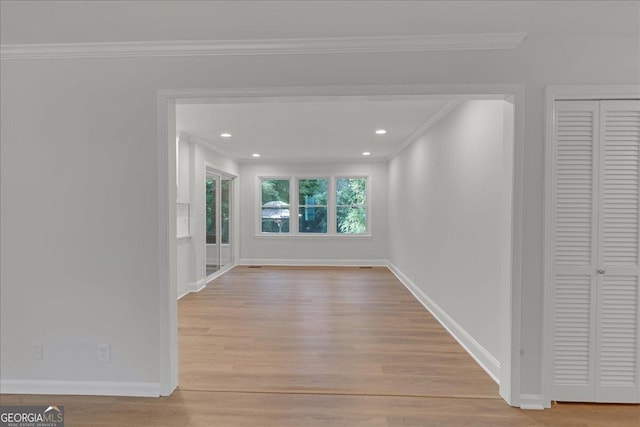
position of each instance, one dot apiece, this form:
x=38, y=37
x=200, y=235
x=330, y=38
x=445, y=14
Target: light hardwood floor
x=278, y=346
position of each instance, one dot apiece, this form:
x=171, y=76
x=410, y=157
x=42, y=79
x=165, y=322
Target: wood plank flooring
x=280, y=346
x=345, y=331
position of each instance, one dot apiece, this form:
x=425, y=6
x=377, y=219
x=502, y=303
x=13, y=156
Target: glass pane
x=351, y=191
x=210, y=197
x=312, y=192
x=212, y=253
x=275, y=190
x=225, y=208
x=351, y=220
x=226, y=251
x=312, y=220
x=275, y=206
x=275, y=225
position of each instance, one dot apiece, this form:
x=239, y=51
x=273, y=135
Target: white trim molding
x=193, y=48
x=486, y=361
x=197, y=286
x=92, y=388
x=532, y=402
x=287, y=262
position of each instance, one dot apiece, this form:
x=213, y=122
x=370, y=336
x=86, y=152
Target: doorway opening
x=509, y=369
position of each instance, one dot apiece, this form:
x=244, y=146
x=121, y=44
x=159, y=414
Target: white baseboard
x=486, y=361
x=532, y=402
x=193, y=287
x=316, y=262
x=93, y=388
x=197, y=286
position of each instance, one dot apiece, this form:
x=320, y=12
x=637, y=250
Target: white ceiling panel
x=333, y=130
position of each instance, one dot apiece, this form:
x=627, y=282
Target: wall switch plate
x=104, y=353
x=36, y=351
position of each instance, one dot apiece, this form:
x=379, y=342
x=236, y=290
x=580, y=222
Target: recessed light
x=256, y=155
x=380, y=132
x=225, y=135
x=366, y=153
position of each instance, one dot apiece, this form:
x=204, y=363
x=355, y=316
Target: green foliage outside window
x=225, y=212
x=312, y=201
x=275, y=190
x=210, y=216
x=351, y=197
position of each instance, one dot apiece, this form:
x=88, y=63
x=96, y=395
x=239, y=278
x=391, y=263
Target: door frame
x=552, y=94
x=510, y=295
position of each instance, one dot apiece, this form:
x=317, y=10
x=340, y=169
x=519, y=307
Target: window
x=351, y=206
x=225, y=209
x=210, y=215
x=324, y=206
x=210, y=203
x=274, y=209
x=312, y=205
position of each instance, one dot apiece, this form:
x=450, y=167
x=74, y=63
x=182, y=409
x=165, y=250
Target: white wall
x=313, y=249
x=445, y=222
x=183, y=169
x=183, y=267
x=81, y=135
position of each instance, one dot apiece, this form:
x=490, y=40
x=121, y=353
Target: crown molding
x=423, y=43
x=449, y=106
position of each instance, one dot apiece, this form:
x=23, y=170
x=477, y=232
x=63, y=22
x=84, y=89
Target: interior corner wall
x=445, y=217
x=317, y=250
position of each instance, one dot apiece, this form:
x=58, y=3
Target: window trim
x=294, y=205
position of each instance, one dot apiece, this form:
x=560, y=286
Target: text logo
x=31, y=416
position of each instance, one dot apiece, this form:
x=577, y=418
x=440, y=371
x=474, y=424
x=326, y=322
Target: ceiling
x=298, y=130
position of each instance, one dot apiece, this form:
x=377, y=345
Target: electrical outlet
x=36, y=352
x=104, y=353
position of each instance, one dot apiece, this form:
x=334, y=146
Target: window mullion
x=331, y=207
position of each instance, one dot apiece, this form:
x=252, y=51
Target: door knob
x=601, y=272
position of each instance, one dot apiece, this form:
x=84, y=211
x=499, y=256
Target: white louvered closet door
x=575, y=252
x=618, y=339
x=595, y=241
